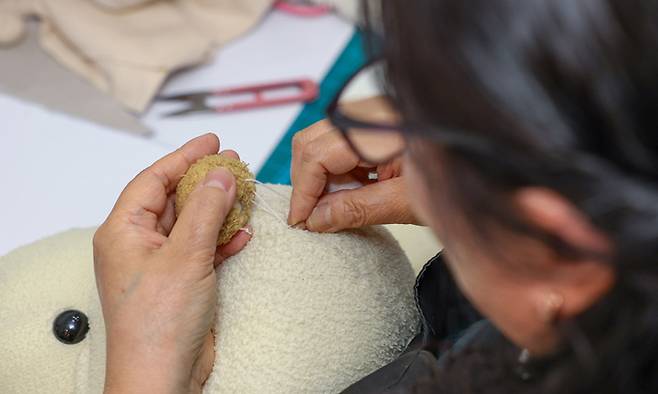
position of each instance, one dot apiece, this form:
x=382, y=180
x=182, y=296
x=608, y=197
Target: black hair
x=557, y=93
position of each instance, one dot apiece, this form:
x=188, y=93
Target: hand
x=321, y=156
x=156, y=275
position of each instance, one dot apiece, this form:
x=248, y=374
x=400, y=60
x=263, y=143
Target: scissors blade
x=184, y=111
x=194, y=97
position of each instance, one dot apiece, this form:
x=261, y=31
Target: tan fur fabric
x=238, y=217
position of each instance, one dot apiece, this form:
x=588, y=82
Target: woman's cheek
x=446, y=227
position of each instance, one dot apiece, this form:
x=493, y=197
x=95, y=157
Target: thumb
x=203, y=215
x=378, y=203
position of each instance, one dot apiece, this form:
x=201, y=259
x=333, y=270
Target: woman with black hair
x=528, y=130
x=523, y=132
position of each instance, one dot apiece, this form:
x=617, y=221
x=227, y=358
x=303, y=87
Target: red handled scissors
x=306, y=90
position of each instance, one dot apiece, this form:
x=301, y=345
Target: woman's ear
x=577, y=282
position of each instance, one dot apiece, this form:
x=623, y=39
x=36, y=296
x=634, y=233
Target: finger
x=195, y=232
x=302, y=138
x=362, y=174
x=327, y=154
x=148, y=191
x=235, y=245
x=389, y=170
x=378, y=203
x=230, y=153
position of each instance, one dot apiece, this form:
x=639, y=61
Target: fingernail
x=299, y=226
x=320, y=218
x=220, y=178
x=248, y=230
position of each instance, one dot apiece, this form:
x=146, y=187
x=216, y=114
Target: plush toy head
x=297, y=311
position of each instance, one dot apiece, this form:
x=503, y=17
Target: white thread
x=268, y=187
x=263, y=204
x=268, y=209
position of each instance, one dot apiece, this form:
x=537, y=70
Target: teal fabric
x=277, y=167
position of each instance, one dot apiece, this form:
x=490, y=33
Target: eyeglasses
x=376, y=132
x=370, y=126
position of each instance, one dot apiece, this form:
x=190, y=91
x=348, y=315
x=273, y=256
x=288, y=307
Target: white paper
x=60, y=172
x=282, y=47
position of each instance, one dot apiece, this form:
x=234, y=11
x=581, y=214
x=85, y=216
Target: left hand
x=156, y=275
x=321, y=156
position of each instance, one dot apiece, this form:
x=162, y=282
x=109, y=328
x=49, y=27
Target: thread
x=267, y=208
x=264, y=206
x=268, y=187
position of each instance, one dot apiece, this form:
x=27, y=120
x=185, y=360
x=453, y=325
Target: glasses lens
x=376, y=110
x=376, y=146
x=362, y=101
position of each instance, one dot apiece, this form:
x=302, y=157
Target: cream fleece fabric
x=128, y=47
x=298, y=312
x=38, y=282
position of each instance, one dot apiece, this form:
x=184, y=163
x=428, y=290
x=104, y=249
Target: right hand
x=320, y=156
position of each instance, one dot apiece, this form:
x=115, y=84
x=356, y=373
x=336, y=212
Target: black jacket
x=454, y=345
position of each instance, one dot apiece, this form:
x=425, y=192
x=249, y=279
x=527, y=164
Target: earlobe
x=549, y=306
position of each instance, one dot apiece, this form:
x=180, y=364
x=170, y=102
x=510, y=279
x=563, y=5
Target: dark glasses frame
x=344, y=122
x=449, y=137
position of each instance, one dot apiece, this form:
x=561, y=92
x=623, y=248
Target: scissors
x=307, y=90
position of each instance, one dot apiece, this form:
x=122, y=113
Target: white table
x=61, y=172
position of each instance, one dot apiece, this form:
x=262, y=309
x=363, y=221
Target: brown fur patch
x=239, y=216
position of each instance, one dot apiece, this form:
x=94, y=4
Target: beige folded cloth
x=128, y=47
x=349, y=9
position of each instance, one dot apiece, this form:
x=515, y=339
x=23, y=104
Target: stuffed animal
x=298, y=312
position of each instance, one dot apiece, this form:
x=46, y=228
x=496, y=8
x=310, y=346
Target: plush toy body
x=297, y=311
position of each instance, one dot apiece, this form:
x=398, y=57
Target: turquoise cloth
x=277, y=167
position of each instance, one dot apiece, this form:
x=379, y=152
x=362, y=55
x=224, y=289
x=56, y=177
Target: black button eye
x=71, y=327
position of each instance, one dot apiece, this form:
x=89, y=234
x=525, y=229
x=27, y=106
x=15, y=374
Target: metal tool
x=198, y=101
